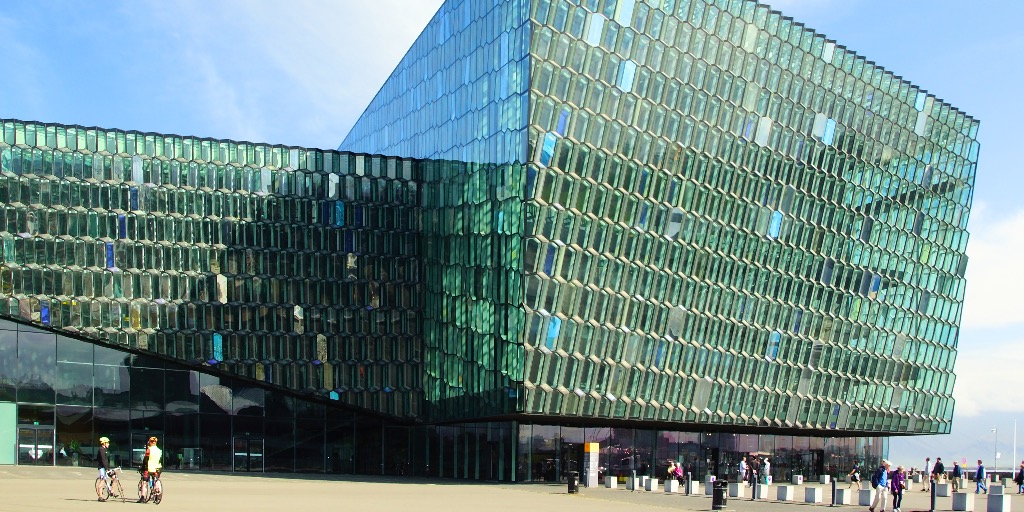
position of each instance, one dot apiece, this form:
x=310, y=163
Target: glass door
x=248, y=454
x=35, y=445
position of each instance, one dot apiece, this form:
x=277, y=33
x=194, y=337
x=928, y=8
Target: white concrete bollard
x=998, y=503
x=812, y=494
x=963, y=501
x=798, y=480
x=824, y=479
x=611, y=482
x=786, y=493
x=736, y=489
x=651, y=485
x=671, y=485
x=865, y=496
x=844, y=496
x=995, y=489
x=942, y=490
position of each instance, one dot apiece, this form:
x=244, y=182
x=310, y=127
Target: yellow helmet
x=104, y=440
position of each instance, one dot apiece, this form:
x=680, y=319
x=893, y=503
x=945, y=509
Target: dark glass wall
x=546, y=452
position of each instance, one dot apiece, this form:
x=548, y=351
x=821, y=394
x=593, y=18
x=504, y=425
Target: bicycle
x=103, y=487
x=151, y=489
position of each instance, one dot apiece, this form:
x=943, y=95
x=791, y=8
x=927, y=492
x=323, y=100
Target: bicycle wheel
x=143, y=491
x=101, y=489
x=120, y=490
x=158, y=491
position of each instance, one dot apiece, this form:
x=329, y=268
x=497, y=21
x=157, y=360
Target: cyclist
x=103, y=464
x=151, y=464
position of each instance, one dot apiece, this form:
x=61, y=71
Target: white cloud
x=296, y=73
x=995, y=277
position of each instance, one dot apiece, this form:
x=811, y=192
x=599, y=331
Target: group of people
x=758, y=469
x=886, y=481
x=151, y=463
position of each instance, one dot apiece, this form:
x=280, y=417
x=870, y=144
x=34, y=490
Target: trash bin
x=574, y=484
x=720, y=495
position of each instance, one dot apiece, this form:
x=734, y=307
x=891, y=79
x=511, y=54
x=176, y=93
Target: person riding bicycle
x=103, y=463
x=151, y=463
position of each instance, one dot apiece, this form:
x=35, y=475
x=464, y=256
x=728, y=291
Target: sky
x=301, y=72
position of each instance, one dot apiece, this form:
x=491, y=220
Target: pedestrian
x=979, y=479
x=1019, y=479
x=897, y=482
x=766, y=472
x=679, y=473
x=926, y=476
x=958, y=473
x=755, y=467
x=743, y=469
x=880, y=483
x=854, y=475
x=670, y=473
x=938, y=471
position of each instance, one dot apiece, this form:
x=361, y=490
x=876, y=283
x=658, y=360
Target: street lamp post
x=995, y=450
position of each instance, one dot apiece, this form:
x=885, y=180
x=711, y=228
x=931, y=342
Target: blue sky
x=300, y=72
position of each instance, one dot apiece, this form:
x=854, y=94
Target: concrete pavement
x=25, y=488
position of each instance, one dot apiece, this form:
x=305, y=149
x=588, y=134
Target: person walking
x=743, y=469
x=1019, y=479
x=766, y=472
x=938, y=471
x=880, y=482
x=755, y=466
x=897, y=483
x=958, y=473
x=979, y=479
x=926, y=476
x=854, y=475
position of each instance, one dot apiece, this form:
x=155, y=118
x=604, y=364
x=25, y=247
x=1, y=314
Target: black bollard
x=833, y=493
x=688, y=483
x=753, y=490
x=932, y=507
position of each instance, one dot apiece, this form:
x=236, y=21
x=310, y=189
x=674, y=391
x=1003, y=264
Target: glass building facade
x=683, y=229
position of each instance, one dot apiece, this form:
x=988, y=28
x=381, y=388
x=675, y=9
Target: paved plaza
x=24, y=488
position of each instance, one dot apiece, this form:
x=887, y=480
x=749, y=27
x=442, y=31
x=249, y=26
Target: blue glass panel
x=919, y=102
x=218, y=348
x=334, y=395
x=339, y=213
x=110, y=254
x=547, y=150
x=531, y=181
x=549, y=259
x=133, y=198
x=830, y=131
x=876, y=283
x=122, y=227
x=44, y=312
x=797, y=317
x=596, y=27
x=554, y=327
x=563, y=120
x=627, y=72
x=624, y=12
x=775, y=226
x=773, y=345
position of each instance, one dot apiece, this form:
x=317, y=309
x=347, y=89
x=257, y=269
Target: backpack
x=876, y=477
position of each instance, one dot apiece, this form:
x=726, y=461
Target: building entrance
x=248, y=454
x=35, y=445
